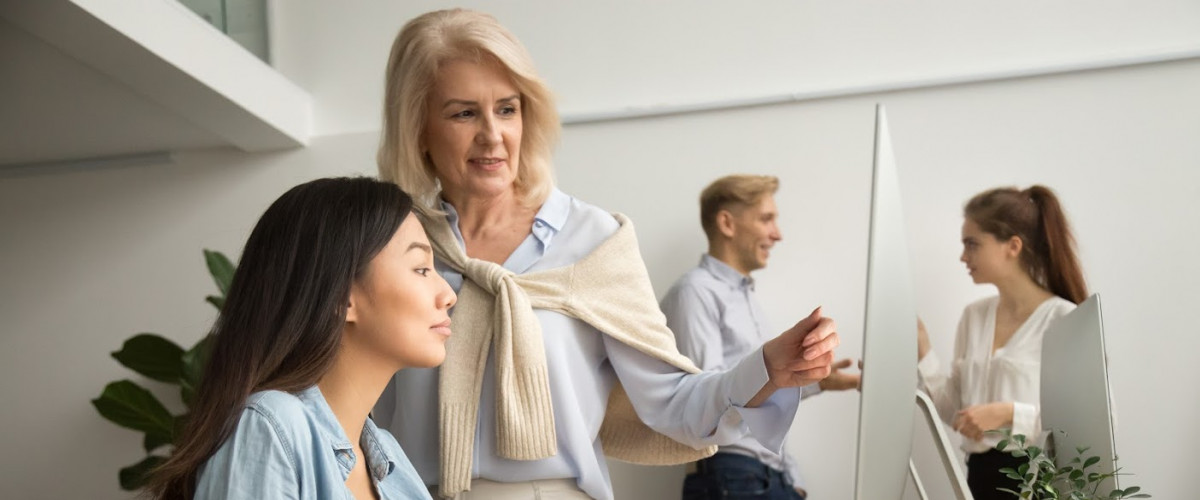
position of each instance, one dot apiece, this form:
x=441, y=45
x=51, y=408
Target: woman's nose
x=489, y=132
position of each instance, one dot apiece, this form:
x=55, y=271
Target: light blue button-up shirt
x=583, y=363
x=291, y=446
x=717, y=321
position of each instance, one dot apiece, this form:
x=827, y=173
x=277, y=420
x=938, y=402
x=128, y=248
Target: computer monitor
x=889, y=373
x=1075, y=393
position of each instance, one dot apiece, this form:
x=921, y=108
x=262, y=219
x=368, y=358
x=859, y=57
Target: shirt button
x=538, y=224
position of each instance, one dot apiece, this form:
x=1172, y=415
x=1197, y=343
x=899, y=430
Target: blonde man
x=717, y=320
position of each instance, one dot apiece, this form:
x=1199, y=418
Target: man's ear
x=725, y=223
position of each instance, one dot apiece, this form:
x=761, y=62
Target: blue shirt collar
x=379, y=463
x=725, y=273
x=555, y=209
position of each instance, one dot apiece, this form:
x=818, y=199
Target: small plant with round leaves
x=1041, y=478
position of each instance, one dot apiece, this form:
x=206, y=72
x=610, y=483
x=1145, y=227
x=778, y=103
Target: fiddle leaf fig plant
x=1041, y=478
x=128, y=404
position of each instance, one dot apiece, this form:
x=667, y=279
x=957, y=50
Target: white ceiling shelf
x=87, y=79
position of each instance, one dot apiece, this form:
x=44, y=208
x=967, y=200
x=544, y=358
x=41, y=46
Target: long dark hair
x=283, y=317
x=1048, y=246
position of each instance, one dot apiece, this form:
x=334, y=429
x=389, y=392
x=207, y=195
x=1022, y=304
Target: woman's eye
x=466, y=113
x=508, y=110
x=424, y=271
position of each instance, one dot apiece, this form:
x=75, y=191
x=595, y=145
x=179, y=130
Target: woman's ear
x=351, y=308
x=1013, y=246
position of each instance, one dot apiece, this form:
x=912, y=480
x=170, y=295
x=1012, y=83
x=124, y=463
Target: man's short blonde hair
x=733, y=192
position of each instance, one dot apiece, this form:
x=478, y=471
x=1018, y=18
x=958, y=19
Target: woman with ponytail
x=1019, y=241
x=334, y=294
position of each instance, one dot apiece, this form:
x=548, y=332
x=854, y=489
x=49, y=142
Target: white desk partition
x=889, y=373
x=1075, y=391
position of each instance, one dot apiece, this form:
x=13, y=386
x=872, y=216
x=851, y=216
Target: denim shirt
x=292, y=446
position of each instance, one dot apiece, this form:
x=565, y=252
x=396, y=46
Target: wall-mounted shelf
x=87, y=79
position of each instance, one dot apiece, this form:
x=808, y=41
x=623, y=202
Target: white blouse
x=978, y=376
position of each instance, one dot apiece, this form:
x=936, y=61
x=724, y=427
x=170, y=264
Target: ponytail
x=1061, y=270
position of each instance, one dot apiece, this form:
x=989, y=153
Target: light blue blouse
x=697, y=410
x=291, y=446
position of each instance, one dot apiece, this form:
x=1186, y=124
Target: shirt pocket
x=1015, y=379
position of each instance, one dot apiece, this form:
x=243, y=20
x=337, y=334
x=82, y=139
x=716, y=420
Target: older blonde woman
x=561, y=355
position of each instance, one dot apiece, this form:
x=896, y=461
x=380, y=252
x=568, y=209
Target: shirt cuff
x=769, y=423
x=748, y=377
x=810, y=390
x=1025, y=420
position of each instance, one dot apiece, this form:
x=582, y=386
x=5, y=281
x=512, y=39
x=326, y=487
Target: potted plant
x=128, y=404
x=1042, y=479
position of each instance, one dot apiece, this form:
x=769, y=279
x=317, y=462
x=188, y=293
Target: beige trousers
x=546, y=489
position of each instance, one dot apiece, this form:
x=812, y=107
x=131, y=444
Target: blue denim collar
x=379, y=463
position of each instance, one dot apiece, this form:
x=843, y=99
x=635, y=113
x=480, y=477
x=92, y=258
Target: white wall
x=89, y=258
x=600, y=56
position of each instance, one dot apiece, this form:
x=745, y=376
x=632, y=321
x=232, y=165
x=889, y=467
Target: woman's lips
x=442, y=328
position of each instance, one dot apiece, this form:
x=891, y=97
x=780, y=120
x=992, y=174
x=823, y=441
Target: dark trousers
x=736, y=477
x=984, y=476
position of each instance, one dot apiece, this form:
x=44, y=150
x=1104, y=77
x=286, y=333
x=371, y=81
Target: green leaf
x=1131, y=490
x=1090, y=462
x=152, y=356
x=134, y=477
x=187, y=393
x=217, y=302
x=220, y=268
x=193, y=369
x=154, y=440
x=1140, y=495
x=129, y=405
x=1002, y=444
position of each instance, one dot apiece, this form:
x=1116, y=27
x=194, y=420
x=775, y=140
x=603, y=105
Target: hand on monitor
x=923, y=343
x=974, y=421
x=839, y=380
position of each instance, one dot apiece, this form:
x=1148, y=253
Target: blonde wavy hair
x=423, y=45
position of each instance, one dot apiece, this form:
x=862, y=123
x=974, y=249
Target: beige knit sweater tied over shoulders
x=608, y=289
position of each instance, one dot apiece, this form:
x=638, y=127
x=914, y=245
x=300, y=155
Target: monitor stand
x=950, y=462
